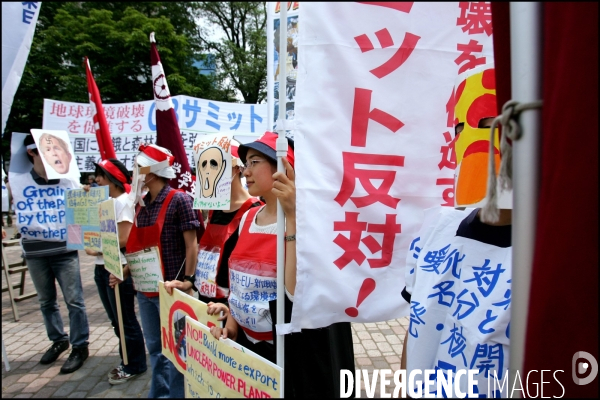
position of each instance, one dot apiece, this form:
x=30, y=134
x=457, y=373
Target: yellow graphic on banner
x=215, y=368
x=173, y=310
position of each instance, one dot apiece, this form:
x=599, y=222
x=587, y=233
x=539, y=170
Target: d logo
x=583, y=367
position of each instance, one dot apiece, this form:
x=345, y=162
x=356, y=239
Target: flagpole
x=525, y=32
x=282, y=147
x=270, y=72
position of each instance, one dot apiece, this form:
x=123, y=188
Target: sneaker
x=122, y=377
x=115, y=371
x=54, y=352
x=75, y=360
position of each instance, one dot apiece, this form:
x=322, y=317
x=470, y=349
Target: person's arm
x=123, y=229
x=284, y=188
x=230, y=331
x=189, y=224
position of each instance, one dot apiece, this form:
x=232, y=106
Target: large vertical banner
x=18, y=26
x=291, y=56
x=83, y=222
x=374, y=92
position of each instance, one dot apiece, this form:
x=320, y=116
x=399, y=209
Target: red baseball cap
x=266, y=144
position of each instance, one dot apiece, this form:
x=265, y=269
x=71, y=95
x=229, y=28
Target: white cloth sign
x=460, y=298
x=145, y=269
x=133, y=123
x=18, y=27
x=373, y=116
x=40, y=210
x=206, y=271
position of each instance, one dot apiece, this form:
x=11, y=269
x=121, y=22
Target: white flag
x=18, y=25
x=374, y=147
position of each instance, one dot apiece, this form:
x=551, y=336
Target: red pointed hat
x=266, y=144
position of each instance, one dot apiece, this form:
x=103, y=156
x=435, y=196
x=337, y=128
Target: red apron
x=253, y=280
x=210, y=253
x=144, y=238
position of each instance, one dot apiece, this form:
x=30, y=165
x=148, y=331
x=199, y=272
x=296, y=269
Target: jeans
x=167, y=381
x=134, y=338
x=63, y=268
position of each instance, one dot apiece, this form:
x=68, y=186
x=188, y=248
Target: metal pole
x=270, y=59
x=526, y=51
x=282, y=148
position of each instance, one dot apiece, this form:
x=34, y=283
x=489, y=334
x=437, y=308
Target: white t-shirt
x=123, y=212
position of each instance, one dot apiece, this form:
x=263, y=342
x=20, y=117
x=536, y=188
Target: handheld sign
x=212, y=155
x=83, y=223
x=222, y=368
x=145, y=269
x=40, y=209
x=173, y=310
x=110, y=238
x=56, y=152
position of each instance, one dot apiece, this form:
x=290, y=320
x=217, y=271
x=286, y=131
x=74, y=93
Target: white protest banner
x=145, y=268
x=212, y=160
x=173, y=310
x=18, y=26
x=40, y=209
x=110, y=238
x=83, y=223
x=133, y=123
x=222, y=368
x=273, y=54
x=375, y=90
x=56, y=153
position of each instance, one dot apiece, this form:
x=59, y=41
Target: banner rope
x=511, y=111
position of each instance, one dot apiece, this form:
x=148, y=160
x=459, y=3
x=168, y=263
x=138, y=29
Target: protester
x=49, y=261
x=221, y=236
x=458, y=276
x=313, y=357
x=114, y=174
x=167, y=221
x=92, y=180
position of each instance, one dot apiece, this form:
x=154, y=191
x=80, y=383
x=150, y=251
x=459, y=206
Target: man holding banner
x=41, y=221
x=162, y=246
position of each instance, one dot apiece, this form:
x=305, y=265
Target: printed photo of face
x=56, y=153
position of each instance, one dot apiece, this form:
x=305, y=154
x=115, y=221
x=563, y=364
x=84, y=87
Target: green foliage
x=114, y=36
x=242, y=53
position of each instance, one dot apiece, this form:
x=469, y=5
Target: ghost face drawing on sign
x=211, y=166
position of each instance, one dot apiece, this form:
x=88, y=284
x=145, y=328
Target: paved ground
x=376, y=345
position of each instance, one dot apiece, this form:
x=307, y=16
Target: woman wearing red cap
x=112, y=173
x=221, y=237
x=312, y=363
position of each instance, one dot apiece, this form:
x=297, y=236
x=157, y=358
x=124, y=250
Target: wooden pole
x=121, y=329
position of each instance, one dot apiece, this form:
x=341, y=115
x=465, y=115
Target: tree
x=242, y=53
x=115, y=38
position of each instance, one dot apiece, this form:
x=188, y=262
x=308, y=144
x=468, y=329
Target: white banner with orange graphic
x=374, y=146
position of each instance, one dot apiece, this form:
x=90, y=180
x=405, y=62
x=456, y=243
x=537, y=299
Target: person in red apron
x=166, y=222
x=219, y=240
x=114, y=174
x=313, y=356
